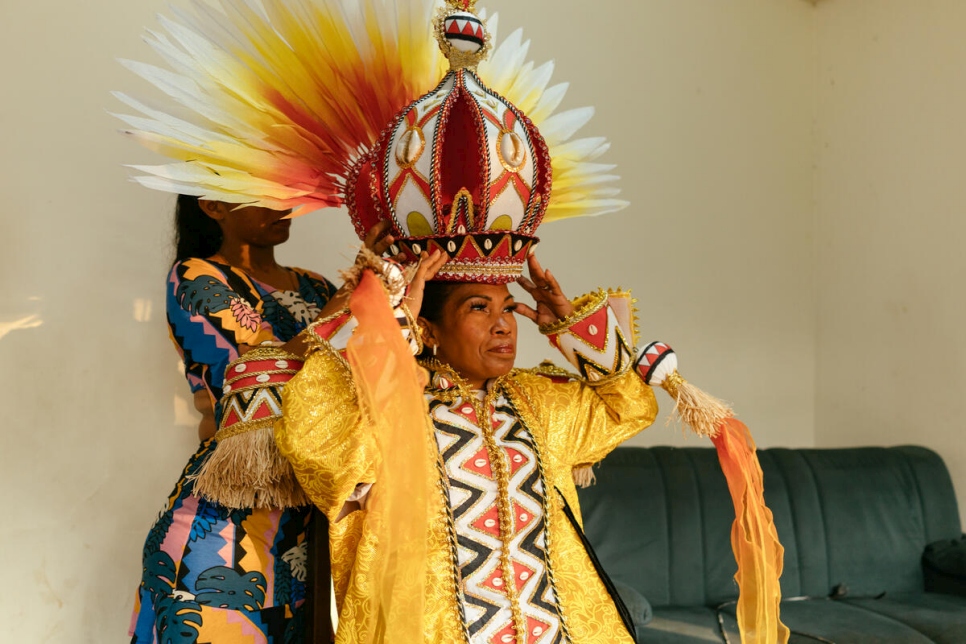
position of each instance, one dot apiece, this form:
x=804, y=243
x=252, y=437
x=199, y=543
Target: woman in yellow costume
x=504, y=561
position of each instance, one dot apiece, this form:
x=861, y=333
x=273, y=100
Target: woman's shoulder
x=310, y=274
x=193, y=267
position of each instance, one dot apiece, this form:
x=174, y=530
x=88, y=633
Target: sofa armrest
x=637, y=604
x=944, y=566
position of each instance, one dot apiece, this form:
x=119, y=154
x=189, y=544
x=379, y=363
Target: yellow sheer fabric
x=753, y=538
x=390, y=389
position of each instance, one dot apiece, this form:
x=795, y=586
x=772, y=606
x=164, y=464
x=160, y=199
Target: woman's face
x=476, y=333
x=251, y=225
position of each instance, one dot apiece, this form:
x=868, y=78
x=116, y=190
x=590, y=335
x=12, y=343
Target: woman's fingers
x=377, y=239
x=429, y=265
x=526, y=311
x=537, y=274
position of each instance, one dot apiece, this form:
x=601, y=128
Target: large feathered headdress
x=307, y=104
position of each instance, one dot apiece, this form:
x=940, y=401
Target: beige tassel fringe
x=247, y=471
x=700, y=411
x=584, y=476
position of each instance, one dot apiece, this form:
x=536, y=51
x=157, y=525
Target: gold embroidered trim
x=584, y=307
x=504, y=510
x=313, y=341
x=517, y=393
x=244, y=427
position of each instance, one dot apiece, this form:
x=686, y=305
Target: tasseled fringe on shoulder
x=247, y=471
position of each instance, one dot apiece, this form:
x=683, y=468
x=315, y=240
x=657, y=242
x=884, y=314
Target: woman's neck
x=258, y=262
x=251, y=259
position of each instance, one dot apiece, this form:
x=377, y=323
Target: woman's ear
x=217, y=210
x=428, y=331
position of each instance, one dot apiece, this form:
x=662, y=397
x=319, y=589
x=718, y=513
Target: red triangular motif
x=488, y=522
x=598, y=320
x=479, y=463
x=263, y=411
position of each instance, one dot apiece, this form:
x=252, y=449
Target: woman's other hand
x=429, y=265
x=552, y=304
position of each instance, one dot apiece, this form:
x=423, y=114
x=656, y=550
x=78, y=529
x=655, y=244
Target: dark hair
x=195, y=233
x=435, y=295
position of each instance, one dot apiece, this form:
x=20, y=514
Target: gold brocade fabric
x=574, y=423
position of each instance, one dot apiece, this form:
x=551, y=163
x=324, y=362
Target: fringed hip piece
x=245, y=469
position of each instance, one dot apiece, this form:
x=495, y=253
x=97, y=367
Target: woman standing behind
x=214, y=573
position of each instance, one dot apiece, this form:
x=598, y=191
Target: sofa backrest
x=660, y=520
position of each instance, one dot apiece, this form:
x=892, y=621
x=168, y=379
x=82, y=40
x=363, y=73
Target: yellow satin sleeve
x=323, y=432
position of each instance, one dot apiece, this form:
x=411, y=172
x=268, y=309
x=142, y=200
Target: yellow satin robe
x=575, y=423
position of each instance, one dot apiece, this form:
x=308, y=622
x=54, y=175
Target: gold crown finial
x=461, y=34
x=464, y=5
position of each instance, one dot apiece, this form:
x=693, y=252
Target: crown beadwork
x=460, y=169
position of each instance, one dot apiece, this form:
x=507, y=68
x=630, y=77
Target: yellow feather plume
x=273, y=101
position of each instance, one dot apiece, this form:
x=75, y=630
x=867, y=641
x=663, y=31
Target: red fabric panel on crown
x=462, y=157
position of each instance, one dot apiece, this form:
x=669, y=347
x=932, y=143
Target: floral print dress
x=214, y=575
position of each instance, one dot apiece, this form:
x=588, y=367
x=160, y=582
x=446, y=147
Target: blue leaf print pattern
x=178, y=621
x=204, y=521
x=204, y=295
x=226, y=588
x=279, y=317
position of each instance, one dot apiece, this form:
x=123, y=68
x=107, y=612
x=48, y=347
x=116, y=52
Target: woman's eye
x=510, y=308
x=478, y=306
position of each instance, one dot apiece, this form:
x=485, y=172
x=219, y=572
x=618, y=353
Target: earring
x=435, y=346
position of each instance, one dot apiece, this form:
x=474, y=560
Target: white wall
x=891, y=227
x=709, y=104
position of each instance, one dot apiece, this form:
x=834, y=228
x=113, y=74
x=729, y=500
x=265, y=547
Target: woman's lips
x=504, y=349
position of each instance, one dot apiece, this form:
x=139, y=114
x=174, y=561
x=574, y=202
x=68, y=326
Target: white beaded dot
x=488, y=244
x=497, y=582
x=226, y=389
x=451, y=247
x=417, y=249
x=517, y=246
x=480, y=462
x=281, y=364
x=467, y=410
x=524, y=517
x=538, y=631
x=489, y=523
x=507, y=638
x=240, y=368
x=517, y=458
x=592, y=329
x=263, y=377
x=524, y=575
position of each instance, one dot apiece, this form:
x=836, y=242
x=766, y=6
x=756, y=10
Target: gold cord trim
x=584, y=307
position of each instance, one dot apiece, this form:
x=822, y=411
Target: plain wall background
x=891, y=225
x=774, y=238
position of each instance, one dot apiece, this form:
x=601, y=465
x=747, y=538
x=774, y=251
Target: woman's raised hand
x=552, y=304
x=429, y=265
x=378, y=239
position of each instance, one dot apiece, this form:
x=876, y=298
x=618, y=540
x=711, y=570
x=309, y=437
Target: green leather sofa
x=855, y=524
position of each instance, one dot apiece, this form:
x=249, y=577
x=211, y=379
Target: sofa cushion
x=941, y=618
x=693, y=625
x=944, y=566
x=637, y=605
x=836, y=621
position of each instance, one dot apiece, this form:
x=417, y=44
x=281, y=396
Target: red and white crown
x=460, y=169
